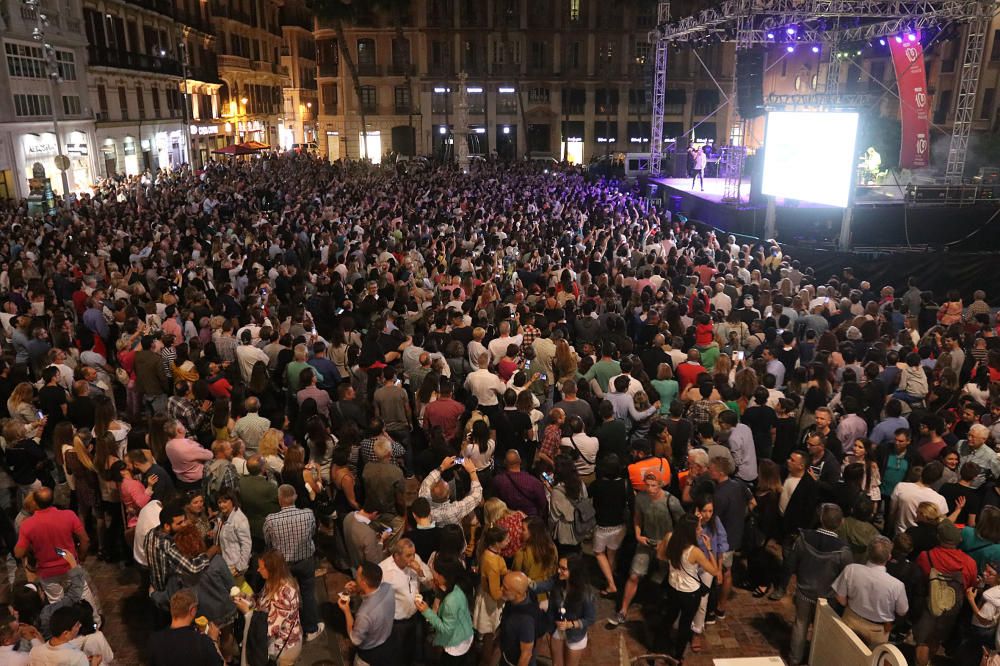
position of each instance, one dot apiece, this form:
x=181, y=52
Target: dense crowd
x=488, y=398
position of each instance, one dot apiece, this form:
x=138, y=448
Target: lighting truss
x=833, y=22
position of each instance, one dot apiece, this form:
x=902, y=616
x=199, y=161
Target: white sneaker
x=320, y=628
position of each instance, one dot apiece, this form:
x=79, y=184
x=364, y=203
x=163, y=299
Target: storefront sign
x=36, y=146
x=204, y=130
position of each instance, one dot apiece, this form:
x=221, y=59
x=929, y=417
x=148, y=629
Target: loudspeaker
x=404, y=140
x=750, y=83
x=679, y=167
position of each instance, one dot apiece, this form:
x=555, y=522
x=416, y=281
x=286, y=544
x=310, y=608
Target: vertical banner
x=911, y=77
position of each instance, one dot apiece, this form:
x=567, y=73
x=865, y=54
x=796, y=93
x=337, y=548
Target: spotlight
x=790, y=48
x=858, y=52
x=911, y=37
x=899, y=40
x=790, y=30
x=881, y=42
x=770, y=35
x=815, y=49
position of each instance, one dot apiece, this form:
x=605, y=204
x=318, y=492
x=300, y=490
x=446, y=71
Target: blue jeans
x=305, y=573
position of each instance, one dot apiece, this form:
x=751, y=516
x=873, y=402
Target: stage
x=880, y=216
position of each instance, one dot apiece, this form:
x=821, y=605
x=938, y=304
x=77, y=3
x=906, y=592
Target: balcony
x=573, y=108
x=440, y=69
x=203, y=74
x=508, y=69
x=262, y=66
x=232, y=62
x=403, y=110
x=104, y=57
x=281, y=70
x=225, y=11
x=298, y=19
x=329, y=69
x=369, y=109
x=402, y=70
x=368, y=69
x=164, y=7
x=194, y=21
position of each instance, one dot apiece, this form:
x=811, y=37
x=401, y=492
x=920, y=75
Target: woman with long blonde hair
x=280, y=599
x=270, y=448
x=565, y=363
x=496, y=513
x=21, y=405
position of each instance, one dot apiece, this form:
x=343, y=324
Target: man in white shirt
x=149, y=519
x=908, y=496
x=247, y=355
x=11, y=634
x=498, y=346
x=407, y=574
x=721, y=300
x=483, y=384
x=58, y=651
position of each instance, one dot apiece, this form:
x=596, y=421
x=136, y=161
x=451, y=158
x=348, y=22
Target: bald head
x=43, y=497
x=512, y=461
x=440, y=492
x=252, y=405
x=515, y=586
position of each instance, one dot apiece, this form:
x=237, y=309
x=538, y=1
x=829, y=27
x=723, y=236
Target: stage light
x=911, y=37
x=899, y=40
x=790, y=48
x=881, y=42
x=790, y=30
x=858, y=52
x=770, y=35
x=815, y=49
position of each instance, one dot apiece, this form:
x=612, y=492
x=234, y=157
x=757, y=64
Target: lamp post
x=55, y=78
x=185, y=150
x=243, y=108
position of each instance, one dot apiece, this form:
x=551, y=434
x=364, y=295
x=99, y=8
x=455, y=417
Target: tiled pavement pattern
x=752, y=627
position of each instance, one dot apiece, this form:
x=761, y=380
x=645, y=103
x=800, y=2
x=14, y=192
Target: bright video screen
x=809, y=156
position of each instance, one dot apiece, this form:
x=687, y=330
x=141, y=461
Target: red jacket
x=947, y=560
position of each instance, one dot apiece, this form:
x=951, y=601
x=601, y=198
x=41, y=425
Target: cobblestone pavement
x=752, y=627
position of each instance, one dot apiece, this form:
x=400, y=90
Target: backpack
x=584, y=518
x=945, y=591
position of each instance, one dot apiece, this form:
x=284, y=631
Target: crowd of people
x=491, y=398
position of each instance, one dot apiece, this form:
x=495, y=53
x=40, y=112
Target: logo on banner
x=920, y=98
x=912, y=54
x=921, y=144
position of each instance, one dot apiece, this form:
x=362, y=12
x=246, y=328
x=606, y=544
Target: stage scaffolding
x=829, y=23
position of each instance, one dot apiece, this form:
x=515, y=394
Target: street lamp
x=55, y=78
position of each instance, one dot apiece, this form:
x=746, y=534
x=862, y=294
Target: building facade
x=298, y=56
x=565, y=78
x=30, y=141
x=138, y=55
x=248, y=44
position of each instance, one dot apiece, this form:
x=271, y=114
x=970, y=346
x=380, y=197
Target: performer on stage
x=698, y=172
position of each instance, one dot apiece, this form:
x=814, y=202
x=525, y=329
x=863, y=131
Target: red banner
x=911, y=77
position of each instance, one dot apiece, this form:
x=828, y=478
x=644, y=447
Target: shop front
x=205, y=139
x=37, y=162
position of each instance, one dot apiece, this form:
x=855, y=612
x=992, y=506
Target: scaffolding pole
x=659, y=91
x=734, y=158
x=965, y=105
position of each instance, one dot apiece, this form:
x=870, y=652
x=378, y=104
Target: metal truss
x=734, y=158
x=661, y=47
x=835, y=22
x=968, y=86
x=822, y=100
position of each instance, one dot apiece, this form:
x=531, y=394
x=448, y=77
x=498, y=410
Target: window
x=637, y=100
x=440, y=102
x=674, y=101
x=440, y=54
x=574, y=10
x=140, y=101
x=67, y=65
x=573, y=59
x=605, y=132
x=877, y=73
x=538, y=95
x=573, y=100
x=798, y=83
x=102, y=102
x=71, y=105
x=986, y=110
x=26, y=62
x=995, y=49
x=538, y=55
x=366, y=51
x=944, y=105
x=605, y=101
x=401, y=99
x=400, y=53
x=156, y=101
x=606, y=53
x=32, y=105
x=948, y=65
x=123, y=102
x=328, y=92
x=368, y=99
x=705, y=102
x=641, y=52
x=507, y=104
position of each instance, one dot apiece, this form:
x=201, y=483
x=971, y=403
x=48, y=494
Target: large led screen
x=809, y=156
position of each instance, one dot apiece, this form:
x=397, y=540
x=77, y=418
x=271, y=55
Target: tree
x=337, y=12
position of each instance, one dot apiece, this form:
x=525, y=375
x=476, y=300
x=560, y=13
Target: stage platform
x=880, y=217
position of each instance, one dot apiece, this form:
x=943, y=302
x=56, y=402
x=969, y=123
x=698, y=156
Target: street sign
x=61, y=162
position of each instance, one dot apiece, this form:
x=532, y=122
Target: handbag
x=702, y=588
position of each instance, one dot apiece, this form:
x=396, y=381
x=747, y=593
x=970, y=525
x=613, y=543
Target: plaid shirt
x=250, y=429
x=187, y=412
x=528, y=335
x=368, y=450
x=165, y=559
x=226, y=346
x=290, y=531
x=551, y=441
x=450, y=513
